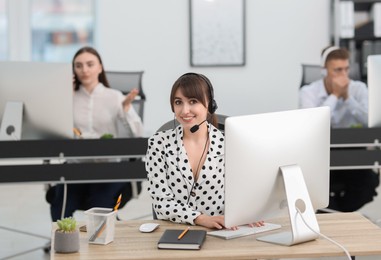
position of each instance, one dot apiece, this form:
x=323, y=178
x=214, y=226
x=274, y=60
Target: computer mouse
x=148, y=227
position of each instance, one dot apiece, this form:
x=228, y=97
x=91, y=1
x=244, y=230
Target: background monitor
x=257, y=145
x=46, y=91
x=374, y=90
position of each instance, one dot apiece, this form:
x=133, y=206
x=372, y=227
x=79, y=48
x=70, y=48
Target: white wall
x=153, y=36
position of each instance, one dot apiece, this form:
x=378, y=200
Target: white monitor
x=374, y=90
x=37, y=95
x=256, y=146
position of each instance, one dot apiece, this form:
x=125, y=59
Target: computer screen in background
x=257, y=148
x=374, y=90
x=45, y=92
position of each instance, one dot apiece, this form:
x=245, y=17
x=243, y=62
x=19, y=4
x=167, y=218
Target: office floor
x=23, y=207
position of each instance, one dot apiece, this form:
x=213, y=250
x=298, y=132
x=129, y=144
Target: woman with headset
x=185, y=165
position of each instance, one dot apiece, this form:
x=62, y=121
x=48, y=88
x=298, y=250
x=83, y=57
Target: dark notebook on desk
x=193, y=239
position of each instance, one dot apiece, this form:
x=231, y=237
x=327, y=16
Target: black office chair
x=173, y=123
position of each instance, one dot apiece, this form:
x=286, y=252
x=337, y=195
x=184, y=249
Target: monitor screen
x=374, y=90
x=46, y=93
x=256, y=146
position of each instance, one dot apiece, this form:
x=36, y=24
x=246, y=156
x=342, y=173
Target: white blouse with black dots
x=171, y=179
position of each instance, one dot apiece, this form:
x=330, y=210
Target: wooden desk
x=352, y=230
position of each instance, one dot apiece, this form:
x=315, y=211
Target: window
x=3, y=31
x=60, y=27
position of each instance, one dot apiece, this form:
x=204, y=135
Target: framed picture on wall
x=217, y=32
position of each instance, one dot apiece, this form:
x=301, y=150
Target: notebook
x=193, y=239
x=243, y=231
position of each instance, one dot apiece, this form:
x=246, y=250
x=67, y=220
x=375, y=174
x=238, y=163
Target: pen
x=183, y=233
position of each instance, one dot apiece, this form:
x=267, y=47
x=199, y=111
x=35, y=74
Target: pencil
x=183, y=233
x=98, y=231
x=77, y=132
x=118, y=202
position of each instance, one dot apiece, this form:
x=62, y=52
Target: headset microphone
x=196, y=127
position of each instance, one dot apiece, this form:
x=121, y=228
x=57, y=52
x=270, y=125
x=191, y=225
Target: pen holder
x=100, y=225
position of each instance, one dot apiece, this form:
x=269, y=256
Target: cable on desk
x=324, y=236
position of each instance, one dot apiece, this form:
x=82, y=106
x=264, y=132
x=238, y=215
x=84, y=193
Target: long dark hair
x=194, y=85
x=101, y=77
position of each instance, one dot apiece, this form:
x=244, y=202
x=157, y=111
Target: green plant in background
x=67, y=225
x=107, y=136
x=357, y=126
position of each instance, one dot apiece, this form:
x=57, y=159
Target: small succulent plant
x=67, y=225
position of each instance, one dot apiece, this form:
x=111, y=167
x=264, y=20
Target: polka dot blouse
x=171, y=179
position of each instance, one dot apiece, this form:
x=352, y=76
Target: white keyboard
x=243, y=231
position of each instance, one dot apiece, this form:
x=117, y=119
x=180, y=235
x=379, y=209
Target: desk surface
x=352, y=230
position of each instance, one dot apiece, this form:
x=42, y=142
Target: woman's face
x=87, y=69
x=189, y=111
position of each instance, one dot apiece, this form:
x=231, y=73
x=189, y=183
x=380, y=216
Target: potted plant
x=66, y=237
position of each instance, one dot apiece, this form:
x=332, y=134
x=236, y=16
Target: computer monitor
x=38, y=96
x=374, y=90
x=267, y=156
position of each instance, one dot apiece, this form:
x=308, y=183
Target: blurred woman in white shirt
x=97, y=110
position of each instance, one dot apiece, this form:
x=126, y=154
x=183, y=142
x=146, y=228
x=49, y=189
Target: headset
x=212, y=106
x=324, y=58
x=190, y=192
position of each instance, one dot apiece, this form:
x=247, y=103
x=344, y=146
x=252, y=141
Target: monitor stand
x=12, y=121
x=297, y=197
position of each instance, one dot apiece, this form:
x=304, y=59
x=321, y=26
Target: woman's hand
x=210, y=221
x=129, y=98
x=219, y=221
x=257, y=224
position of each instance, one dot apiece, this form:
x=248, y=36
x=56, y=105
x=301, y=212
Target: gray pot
x=66, y=242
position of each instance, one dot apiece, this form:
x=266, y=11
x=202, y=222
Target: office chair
x=125, y=81
x=311, y=73
x=173, y=123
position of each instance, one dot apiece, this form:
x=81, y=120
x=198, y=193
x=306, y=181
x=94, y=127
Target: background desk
x=352, y=230
x=349, y=158
x=130, y=150
x=355, y=148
